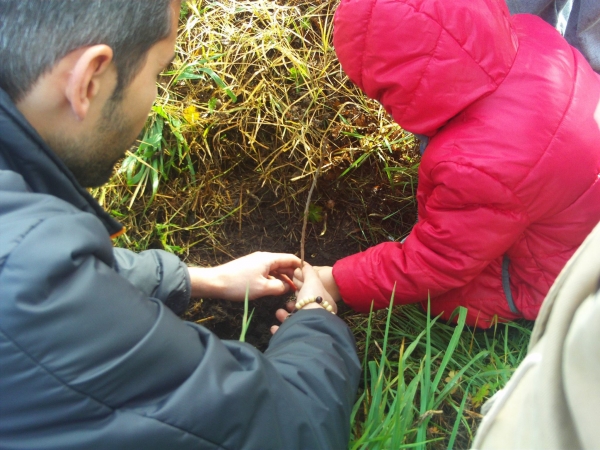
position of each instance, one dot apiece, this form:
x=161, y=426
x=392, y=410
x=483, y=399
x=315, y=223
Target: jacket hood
x=424, y=60
x=22, y=150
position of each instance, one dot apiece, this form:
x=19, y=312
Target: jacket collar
x=22, y=150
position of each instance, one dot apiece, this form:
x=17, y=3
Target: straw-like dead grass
x=254, y=102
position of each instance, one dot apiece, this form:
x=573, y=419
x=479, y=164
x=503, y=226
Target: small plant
x=315, y=213
x=197, y=70
x=163, y=232
x=298, y=75
x=155, y=157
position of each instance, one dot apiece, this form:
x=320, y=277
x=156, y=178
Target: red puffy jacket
x=510, y=175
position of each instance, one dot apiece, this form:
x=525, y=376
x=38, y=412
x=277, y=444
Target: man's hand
x=311, y=287
x=263, y=273
x=325, y=274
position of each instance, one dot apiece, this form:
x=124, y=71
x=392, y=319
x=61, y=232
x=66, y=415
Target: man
x=90, y=356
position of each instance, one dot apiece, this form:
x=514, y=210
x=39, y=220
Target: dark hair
x=36, y=34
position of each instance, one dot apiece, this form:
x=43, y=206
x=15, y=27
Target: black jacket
x=91, y=358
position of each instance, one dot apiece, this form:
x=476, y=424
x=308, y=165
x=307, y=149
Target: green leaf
x=315, y=213
x=481, y=395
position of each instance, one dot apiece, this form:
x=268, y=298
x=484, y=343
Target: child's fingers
x=281, y=314
x=311, y=285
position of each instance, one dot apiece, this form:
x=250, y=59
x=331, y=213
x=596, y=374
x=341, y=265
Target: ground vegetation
x=254, y=108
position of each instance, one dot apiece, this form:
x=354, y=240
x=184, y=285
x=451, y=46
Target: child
x=509, y=181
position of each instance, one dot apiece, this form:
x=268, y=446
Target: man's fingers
x=286, y=279
x=275, y=286
x=289, y=271
x=284, y=260
x=274, y=329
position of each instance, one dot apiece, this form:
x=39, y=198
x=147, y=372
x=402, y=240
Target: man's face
x=91, y=159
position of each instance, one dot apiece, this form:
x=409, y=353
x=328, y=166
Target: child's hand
x=325, y=274
x=311, y=286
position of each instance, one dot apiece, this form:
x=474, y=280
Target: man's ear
x=86, y=78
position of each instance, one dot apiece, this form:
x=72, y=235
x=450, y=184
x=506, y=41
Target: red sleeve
x=468, y=219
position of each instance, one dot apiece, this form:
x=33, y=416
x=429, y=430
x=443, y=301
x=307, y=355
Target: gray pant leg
x=577, y=20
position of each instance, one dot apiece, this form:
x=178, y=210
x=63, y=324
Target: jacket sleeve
x=157, y=274
x=468, y=219
x=122, y=367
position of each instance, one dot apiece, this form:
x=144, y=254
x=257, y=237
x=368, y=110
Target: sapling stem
x=307, y=207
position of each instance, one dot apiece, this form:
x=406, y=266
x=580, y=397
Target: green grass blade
x=245, y=319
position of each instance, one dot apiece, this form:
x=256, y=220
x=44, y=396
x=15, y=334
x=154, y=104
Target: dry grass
x=255, y=100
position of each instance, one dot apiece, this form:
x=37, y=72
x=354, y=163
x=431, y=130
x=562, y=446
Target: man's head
x=83, y=72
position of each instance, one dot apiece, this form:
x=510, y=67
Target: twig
x=307, y=207
x=241, y=208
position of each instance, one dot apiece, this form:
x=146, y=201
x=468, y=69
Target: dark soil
x=353, y=219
